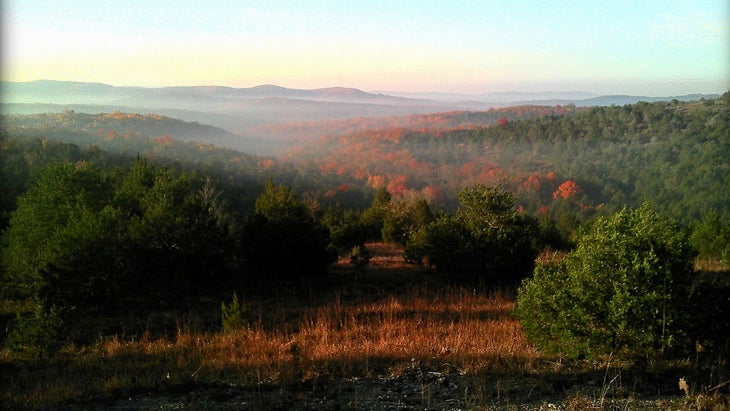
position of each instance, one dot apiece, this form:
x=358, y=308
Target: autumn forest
x=145, y=227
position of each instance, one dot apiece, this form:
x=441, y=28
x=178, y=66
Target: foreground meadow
x=389, y=337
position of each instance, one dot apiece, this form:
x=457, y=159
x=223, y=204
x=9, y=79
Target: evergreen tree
x=623, y=290
x=373, y=219
x=58, y=202
x=711, y=237
x=486, y=240
x=281, y=241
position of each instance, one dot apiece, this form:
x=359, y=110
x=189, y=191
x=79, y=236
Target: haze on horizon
x=653, y=48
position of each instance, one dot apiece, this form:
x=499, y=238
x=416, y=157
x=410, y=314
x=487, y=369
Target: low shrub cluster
x=628, y=288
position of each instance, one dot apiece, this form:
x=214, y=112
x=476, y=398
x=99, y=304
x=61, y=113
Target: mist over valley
x=271, y=119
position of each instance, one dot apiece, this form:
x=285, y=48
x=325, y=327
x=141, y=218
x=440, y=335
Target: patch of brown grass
x=457, y=328
x=466, y=329
x=386, y=321
x=711, y=265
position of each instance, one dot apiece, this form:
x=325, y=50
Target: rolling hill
x=261, y=113
x=559, y=161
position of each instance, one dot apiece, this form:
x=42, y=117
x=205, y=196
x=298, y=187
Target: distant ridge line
x=49, y=88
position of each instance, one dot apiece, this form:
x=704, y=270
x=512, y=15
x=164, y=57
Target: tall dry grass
x=383, y=322
x=462, y=330
x=465, y=329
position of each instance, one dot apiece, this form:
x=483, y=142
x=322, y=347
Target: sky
x=647, y=47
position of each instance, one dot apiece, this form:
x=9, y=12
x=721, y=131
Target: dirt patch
x=414, y=389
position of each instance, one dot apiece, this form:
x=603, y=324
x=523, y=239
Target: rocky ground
x=414, y=389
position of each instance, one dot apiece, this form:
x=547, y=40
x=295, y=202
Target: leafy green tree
x=14, y=175
x=402, y=218
x=58, y=200
x=281, y=240
x=504, y=241
x=176, y=248
x=711, y=237
x=486, y=240
x=445, y=243
x=485, y=209
x=279, y=203
x=36, y=334
x=76, y=241
x=623, y=290
x=373, y=219
x=85, y=263
x=346, y=229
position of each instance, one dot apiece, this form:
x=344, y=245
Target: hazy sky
x=651, y=47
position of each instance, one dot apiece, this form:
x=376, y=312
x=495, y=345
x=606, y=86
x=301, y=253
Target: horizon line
x=384, y=90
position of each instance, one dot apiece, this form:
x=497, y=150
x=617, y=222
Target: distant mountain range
x=67, y=92
x=498, y=98
x=235, y=109
x=546, y=98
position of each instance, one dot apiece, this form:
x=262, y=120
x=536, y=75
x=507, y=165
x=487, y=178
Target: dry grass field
x=391, y=337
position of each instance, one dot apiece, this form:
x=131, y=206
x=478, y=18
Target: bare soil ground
x=411, y=390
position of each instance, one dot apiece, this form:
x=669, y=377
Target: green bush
x=282, y=241
x=711, y=237
x=486, y=241
x=445, y=243
x=360, y=257
x=36, y=334
x=623, y=290
x=234, y=316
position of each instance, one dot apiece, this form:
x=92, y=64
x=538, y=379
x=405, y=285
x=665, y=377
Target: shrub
x=360, y=257
x=282, y=241
x=711, y=237
x=485, y=241
x=445, y=243
x=36, y=334
x=622, y=290
x=234, y=316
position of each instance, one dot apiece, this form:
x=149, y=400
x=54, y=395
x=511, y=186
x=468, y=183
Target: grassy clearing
x=361, y=325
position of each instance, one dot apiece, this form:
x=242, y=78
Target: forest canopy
x=569, y=165
x=582, y=165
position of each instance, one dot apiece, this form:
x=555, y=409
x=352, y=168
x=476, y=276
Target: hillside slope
x=573, y=164
x=675, y=155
